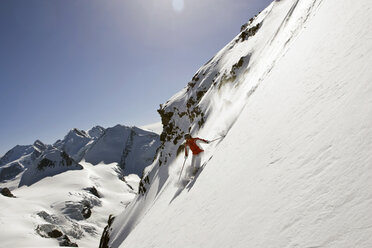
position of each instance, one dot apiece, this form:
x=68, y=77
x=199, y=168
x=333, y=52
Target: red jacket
x=193, y=146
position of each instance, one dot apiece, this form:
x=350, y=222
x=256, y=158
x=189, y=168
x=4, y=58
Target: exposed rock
x=10, y=171
x=80, y=210
x=55, y=234
x=44, y=163
x=65, y=241
x=50, y=218
x=244, y=35
x=51, y=231
x=6, y=192
x=93, y=191
x=86, y=212
x=105, y=238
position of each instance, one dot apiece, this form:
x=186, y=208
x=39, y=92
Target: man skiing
x=196, y=151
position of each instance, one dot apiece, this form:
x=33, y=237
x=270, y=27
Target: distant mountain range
x=64, y=192
x=131, y=147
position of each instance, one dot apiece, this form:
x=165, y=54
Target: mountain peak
x=96, y=131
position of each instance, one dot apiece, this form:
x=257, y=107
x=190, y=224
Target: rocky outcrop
x=6, y=192
x=51, y=231
x=105, y=238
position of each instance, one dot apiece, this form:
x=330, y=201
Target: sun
x=178, y=5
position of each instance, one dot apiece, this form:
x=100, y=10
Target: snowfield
x=293, y=95
x=57, y=203
x=63, y=200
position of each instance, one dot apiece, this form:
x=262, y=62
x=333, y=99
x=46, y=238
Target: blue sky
x=80, y=63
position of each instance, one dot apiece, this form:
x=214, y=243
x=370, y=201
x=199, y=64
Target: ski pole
x=182, y=169
x=217, y=139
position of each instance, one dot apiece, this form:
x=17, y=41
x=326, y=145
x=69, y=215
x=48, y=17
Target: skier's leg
x=193, y=161
x=190, y=170
x=196, y=163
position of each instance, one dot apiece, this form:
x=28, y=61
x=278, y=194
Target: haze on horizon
x=67, y=64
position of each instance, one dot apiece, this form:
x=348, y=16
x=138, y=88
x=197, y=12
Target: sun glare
x=178, y=5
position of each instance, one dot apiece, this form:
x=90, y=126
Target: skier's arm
x=206, y=141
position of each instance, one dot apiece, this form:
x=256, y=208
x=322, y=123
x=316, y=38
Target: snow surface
x=56, y=189
x=58, y=201
x=50, y=163
x=294, y=169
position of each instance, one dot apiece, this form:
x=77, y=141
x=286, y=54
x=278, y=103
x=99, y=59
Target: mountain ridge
x=76, y=145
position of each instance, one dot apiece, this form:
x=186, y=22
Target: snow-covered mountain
x=131, y=147
x=77, y=142
x=63, y=193
x=18, y=159
x=51, y=162
x=291, y=97
x=41, y=157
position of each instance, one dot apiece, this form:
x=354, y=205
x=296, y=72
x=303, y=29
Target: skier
x=196, y=151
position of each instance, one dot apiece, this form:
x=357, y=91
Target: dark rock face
x=105, y=238
x=10, y=171
x=66, y=159
x=65, y=241
x=44, y=163
x=93, y=191
x=244, y=35
x=50, y=218
x=51, y=231
x=55, y=234
x=86, y=212
x=6, y=192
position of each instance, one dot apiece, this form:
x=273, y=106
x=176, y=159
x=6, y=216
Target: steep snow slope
x=293, y=95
